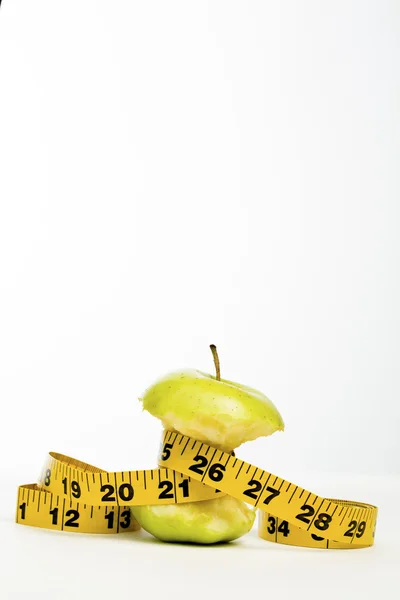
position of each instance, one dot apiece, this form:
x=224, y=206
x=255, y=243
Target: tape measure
x=289, y=514
x=74, y=496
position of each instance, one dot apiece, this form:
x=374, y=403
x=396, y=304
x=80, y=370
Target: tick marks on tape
x=74, y=496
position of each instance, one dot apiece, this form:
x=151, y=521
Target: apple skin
x=221, y=413
x=206, y=522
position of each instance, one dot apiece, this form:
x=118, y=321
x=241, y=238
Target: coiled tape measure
x=74, y=496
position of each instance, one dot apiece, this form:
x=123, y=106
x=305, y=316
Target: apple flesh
x=206, y=522
x=221, y=413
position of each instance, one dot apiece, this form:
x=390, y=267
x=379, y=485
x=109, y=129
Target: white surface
x=175, y=174
x=53, y=565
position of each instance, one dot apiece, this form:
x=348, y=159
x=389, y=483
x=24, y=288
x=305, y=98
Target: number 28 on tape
x=74, y=496
x=289, y=514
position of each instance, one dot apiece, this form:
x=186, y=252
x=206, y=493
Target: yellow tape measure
x=289, y=514
x=74, y=496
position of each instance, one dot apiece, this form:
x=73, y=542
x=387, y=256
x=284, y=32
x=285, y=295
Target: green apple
x=206, y=522
x=223, y=414
x=216, y=411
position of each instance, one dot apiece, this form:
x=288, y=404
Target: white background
x=175, y=174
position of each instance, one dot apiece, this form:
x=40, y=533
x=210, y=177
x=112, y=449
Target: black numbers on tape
x=125, y=519
x=185, y=487
x=22, y=508
x=126, y=516
x=317, y=538
x=54, y=515
x=216, y=472
x=254, y=489
x=273, y=494
x=272, y=525
x=75, y=488
x=125, y=492
x=109, y=491
x=203, y=462
x=308, y=512
x=110, y=520
x=283, y=527
x=361, y=529
x=166, y=493
x=322, y=520
x=47, y=478
x=166, y=453
x=352, y=527
x=73, y=521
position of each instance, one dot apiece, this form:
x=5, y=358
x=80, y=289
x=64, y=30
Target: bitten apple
x=205, y=522
x=222, y=413
x=219, y=412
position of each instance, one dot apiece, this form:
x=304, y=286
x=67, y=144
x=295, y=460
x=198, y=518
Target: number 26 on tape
x=215, y=472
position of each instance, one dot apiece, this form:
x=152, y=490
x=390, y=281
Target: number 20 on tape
x=74, y=496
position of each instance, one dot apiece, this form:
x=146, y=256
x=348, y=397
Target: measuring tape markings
x=40, y=508
x=72, y=478
x=335, y=523
x=74, y=496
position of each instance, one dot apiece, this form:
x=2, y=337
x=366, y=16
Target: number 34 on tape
x=74, y=496
x=289, y=514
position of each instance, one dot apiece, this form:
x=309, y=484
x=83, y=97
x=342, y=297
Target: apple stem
x=216, y=361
